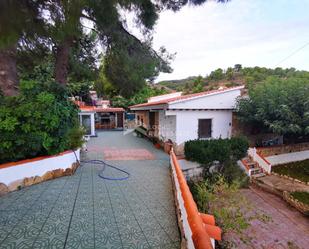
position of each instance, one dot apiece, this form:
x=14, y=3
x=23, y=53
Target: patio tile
x=85, y=211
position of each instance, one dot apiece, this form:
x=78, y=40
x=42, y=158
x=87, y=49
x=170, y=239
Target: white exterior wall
x=167, y=127
x=38, y=168
x=92, y=120
x=187, y=124
x=222, y=100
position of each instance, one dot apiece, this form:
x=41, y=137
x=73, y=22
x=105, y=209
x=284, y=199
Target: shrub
x=301, y=196
x=39, y=121
x=222, y=150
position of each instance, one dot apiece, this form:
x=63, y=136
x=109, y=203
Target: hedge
x=222, y=150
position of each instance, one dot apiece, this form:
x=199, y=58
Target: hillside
x=230, y=77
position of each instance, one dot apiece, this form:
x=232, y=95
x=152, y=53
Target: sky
x=248, y=32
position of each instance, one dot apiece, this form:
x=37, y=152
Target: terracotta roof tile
x=97, y=109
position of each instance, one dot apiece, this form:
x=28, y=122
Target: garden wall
x=31, y=171
x=282, y=149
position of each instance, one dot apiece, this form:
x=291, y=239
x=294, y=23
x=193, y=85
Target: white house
x=179, y=118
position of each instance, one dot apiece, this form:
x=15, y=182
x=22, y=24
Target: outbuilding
x=93, y=118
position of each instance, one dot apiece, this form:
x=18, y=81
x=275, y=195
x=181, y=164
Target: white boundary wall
x=38, y=168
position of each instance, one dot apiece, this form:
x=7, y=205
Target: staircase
x=253, y=167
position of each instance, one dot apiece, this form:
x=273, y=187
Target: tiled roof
x=88, y=108
x=97, y=109
x=185, y=97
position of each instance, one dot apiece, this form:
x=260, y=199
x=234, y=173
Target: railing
x=199, y=229
x=257, y=157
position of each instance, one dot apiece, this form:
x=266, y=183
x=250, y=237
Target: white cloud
x=251, y=32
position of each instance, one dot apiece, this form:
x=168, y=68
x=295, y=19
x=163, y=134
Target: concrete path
x=288, y=157
x=85, y=211
x=285, y=227
x=283, y=184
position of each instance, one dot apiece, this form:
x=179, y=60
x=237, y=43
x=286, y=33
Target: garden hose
x=104, y=164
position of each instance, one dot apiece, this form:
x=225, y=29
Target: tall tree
x=19, y=22
x=65, y=19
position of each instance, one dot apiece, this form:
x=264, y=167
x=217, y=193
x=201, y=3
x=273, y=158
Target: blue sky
x=249, y=32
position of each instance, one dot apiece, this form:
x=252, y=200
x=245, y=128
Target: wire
x=289, y=56
x=100, y=174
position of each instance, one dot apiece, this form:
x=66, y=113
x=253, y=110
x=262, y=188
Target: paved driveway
x=85, y=211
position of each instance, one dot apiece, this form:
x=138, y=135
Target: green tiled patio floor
x=85, y=211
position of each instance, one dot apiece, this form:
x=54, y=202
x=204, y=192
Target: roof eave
x=148, y=107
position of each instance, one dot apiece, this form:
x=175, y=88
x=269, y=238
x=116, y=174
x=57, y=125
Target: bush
x=301, y=197
x=222, y=150
x=39, y=121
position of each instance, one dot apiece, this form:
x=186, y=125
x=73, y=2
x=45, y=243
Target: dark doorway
x=204, y=128
x=152, y=119
x=119, y=120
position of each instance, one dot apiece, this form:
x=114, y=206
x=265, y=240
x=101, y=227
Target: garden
x=218, y=193
x=297, y=170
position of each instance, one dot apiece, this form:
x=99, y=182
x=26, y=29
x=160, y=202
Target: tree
x=279, y=105
x=198, y=85
x=217, y=74
x=237, y=67
x=18, y=20
x=64, y=23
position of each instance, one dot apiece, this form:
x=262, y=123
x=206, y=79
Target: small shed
x=100, y=117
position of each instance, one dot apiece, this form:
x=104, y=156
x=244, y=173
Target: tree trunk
x=62, y=60
x=8, y=71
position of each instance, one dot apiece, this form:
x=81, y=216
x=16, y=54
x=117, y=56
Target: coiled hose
x=104, y=164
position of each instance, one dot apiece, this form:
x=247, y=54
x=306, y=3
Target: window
x=204, y=128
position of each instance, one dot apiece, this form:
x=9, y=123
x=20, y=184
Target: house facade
x=178, y=118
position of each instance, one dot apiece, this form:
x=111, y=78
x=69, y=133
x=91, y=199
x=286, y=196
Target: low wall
x=303, y=208
x=198, y=230
x=24, y=170
x=282, y=149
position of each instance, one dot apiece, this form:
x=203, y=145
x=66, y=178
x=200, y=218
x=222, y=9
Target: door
x=152, y=118
x=119, y=120
x=204, y=128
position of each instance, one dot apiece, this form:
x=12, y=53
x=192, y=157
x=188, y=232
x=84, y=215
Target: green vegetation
x=225, y=151
x=279, y=105
x=233, y=76
x=40, y=121
x=140, y=97
x=57, y=29
x=301, y=197
x=222, y=150
x=298, y=170
x=232, y=211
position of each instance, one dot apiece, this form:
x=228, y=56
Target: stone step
x=257, y=175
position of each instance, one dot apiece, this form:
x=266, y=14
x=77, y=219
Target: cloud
x=251, y=32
